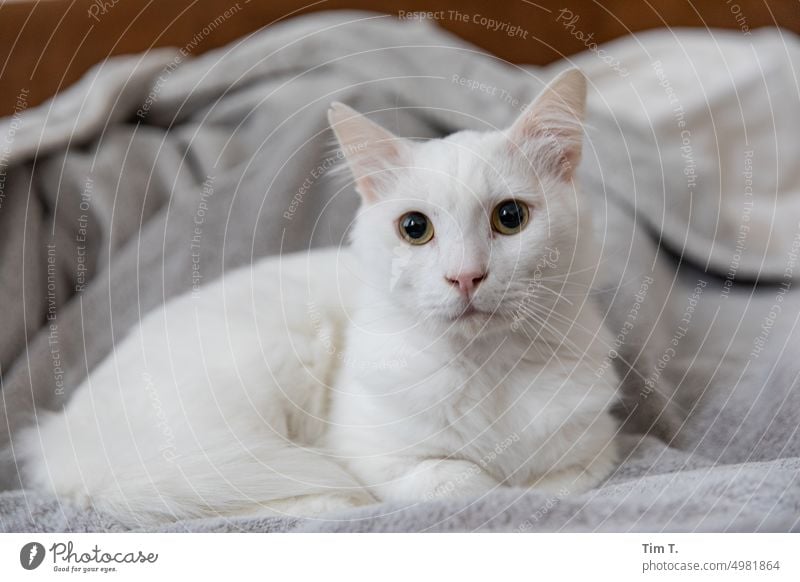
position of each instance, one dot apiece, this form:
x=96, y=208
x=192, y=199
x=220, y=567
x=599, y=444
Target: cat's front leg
x=577, y=479
x=417, y=479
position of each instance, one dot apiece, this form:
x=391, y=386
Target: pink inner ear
x=370, y=150
x=550, y=130
x=552, y=143
x=567, y=144
x=372, y=166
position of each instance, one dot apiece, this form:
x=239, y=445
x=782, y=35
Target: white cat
x=452, y=349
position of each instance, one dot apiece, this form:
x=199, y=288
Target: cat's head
x=472, y=230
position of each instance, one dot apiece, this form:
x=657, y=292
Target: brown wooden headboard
x=47, y=45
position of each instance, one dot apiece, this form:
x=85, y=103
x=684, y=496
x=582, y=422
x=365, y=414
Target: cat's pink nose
x=467, y=282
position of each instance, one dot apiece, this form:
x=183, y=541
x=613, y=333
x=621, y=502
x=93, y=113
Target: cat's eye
x=416, y=228
x=510, y=217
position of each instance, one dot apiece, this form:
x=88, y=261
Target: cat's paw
x=432, y=479
x=579, y=479
x=572, y=481
x=310, y=506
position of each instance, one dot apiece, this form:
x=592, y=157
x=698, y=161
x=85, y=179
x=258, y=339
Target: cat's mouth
x=464, y=312
x=469, y=312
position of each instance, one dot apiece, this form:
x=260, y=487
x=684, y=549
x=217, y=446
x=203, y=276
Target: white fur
x=209, y=407
x=287, y=386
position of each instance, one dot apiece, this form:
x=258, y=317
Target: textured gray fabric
x=232, y=137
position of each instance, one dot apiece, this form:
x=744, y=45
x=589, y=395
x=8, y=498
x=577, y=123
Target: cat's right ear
x=550, y=130
x=371, y=151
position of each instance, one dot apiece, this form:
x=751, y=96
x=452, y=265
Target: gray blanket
x=690, y=159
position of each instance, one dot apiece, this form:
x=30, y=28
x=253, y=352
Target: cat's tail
x=272, y=478
x=277, y=479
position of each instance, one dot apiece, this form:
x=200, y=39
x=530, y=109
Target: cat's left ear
x=372, y=152
x=550, y=130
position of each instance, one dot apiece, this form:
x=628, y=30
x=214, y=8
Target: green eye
x=510, y=217
x=416, y=228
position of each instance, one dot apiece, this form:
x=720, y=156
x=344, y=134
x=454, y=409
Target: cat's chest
x=463, y=393
x=498, y=406
x=499, y=374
